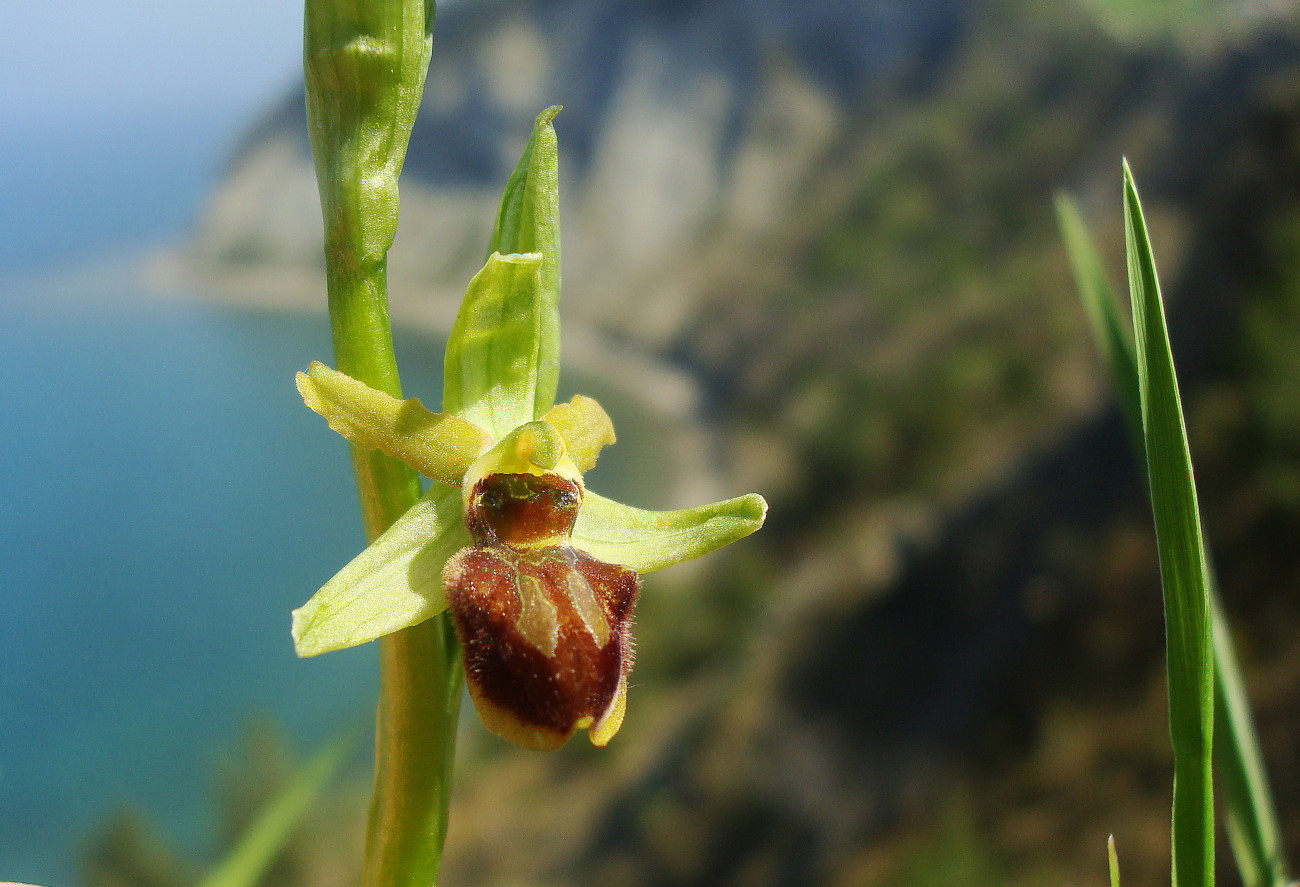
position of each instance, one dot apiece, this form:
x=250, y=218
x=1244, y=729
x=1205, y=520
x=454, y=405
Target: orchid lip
x=546, y=634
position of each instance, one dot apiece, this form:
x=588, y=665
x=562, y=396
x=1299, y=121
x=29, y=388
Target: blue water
x=166, y=501
x=101, y=184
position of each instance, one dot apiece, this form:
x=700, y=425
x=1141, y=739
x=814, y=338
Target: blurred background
x=809, y=250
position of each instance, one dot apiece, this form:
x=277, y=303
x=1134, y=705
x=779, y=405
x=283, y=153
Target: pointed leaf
x=1251, y=817
x=1113, y=859
x=438, y=445
x=651, y=540
x=494, y=351
x=585, y=427
x=529, y=222
x=1182, y=561
x=393, y=584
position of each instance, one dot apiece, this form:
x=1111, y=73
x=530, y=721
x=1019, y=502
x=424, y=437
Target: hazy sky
x=117, y=117
x=82, y=56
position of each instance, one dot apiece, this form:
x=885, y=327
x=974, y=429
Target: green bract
x=502, y=363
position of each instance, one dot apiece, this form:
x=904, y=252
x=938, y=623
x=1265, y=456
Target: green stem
x=363, y=349
x=365, y=63
x=420, y=680
x=419, y=676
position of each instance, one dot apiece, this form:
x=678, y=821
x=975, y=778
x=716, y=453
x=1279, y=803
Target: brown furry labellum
x=546, y=629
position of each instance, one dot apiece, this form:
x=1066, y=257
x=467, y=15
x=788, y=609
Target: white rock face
x=266, y=211
x=688, y=126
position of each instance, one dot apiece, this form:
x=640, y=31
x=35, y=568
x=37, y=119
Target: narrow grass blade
x=1251, y=818
x=1113, y=859
x=1189, y=648
x=258, y=847
x=1101, y=305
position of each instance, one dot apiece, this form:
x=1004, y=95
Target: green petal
x=393, y=584
x=651, y=540
x=438, y=445
x=585, y=427
x=529, y=222
x=491, y=369
x=532, y=448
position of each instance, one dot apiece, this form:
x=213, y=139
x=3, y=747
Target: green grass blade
x=272, y=828
x=1101, y=305
x=1189, y=648
x=1113, y=859
x=1251, y=818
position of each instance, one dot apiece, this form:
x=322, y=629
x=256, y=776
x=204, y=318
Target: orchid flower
x=539, y=573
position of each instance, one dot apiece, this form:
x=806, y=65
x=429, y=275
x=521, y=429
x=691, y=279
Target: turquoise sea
x=167, y=501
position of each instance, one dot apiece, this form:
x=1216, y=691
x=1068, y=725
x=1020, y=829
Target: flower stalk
x=365, y=63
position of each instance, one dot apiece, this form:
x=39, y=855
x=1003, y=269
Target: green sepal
x=438, y=445
x=490, y=374
x=393, y=584
x=528, y=221
x=651, y=540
